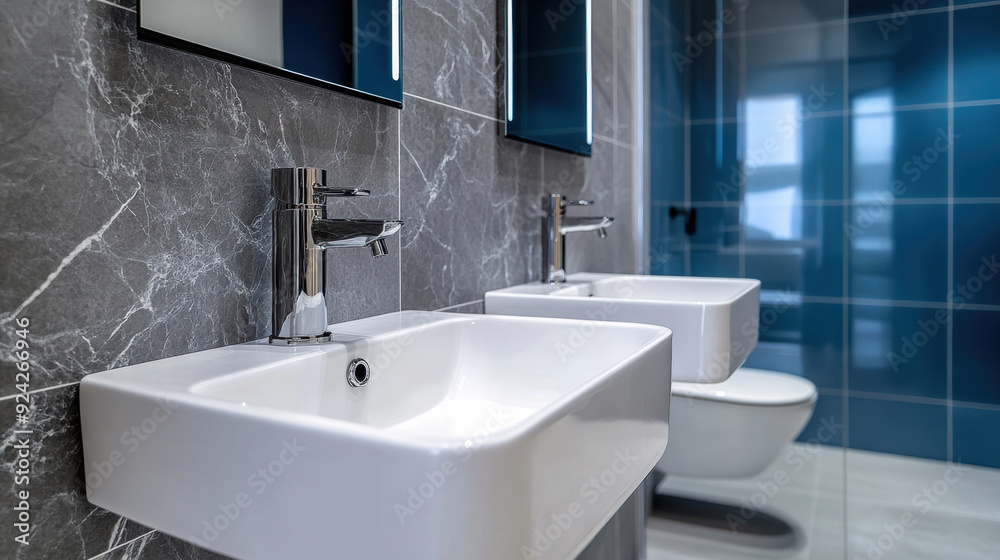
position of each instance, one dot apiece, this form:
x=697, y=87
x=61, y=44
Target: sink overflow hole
x=358, y=373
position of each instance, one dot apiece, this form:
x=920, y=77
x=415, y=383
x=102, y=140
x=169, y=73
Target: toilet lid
x=751, y=386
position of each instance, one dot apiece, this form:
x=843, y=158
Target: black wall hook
x=690, y=218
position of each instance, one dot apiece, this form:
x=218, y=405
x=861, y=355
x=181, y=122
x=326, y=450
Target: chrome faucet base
x=300, y=340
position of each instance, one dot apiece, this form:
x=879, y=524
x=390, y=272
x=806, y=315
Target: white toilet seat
x=751, y=386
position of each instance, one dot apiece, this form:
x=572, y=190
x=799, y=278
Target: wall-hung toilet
x=735, y=428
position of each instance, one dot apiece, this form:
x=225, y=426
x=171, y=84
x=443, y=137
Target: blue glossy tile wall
x=897, y=154
x=910, y=61
x=905, y=428
x=899, y=252
x=898, y=350
x=973, y=427
x=871, y=208
x=977, y=254
x=977, y=369
x=977, y=167
x=977, y=49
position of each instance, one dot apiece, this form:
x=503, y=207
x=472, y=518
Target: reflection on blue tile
x=977, y=254
x=827, y=425
x=712, y=64
x=805, y=63
x=975, y=436
x=977, y=167
x=716, y=174
x=898, y=351
x=977, y=357
x=783, y=13
x=917, y=430
x=668, y=165
x=666, y=264
x=899, y=252
x=790, y=154
x=897, y=11
x=899, y=154
x=809, y=261
x=714, y=264
x=801, y=339
x=909, y=61
x=715, y=226
x=977, y=53
x=822, y=158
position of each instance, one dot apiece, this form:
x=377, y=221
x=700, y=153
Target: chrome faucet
x=301, y=234
x=555, y=225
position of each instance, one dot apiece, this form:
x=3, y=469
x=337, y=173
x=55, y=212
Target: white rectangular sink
x=714, y=320
x=477, y=437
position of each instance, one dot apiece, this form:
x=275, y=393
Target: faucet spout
x=573, y=224
x=330, y=234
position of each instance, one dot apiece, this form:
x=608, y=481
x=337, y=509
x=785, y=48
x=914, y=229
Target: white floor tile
x=960, y=521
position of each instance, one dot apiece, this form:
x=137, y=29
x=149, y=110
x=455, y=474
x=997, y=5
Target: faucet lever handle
x=323, y=190
x=568, y=202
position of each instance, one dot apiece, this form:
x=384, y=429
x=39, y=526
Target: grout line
x=845, y=277
x=637, y=161
x=459, y=305
x=614, y=141
x=849, y=112
x=846, y=21
x=875, y=302
x=109, y=3
x=399, y=198
x=950, y=351
x=126, y=543
x=614, y=84
x=686, y=76
x=912, y=399
x=843, y=202
x=480, y=115
x=42, y=390
x=614, y=113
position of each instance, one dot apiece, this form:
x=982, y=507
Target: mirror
x=549, y=73
x=351, y=46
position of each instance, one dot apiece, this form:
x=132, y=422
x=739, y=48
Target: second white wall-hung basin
x=459, y=437
x=714, y=320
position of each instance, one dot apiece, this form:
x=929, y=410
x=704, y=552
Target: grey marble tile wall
x=136, y=215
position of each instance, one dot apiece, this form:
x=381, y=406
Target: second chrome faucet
x=301, y=235
x=555, y=225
